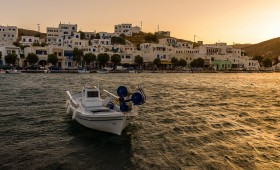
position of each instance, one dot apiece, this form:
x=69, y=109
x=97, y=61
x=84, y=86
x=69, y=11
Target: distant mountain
x=267, y=49
x=25, y=32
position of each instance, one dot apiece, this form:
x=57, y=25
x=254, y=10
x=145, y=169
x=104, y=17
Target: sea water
x=190, y=121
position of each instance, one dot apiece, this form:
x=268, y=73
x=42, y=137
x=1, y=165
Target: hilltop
x=25, y=32
x=143, y=37
x=267, y=49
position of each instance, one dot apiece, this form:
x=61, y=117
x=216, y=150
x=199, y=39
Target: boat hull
x=83, y=72
x=102, y=72
x=113, y=125
x=13, y=71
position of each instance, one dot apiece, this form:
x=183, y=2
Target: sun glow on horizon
x=228, y=21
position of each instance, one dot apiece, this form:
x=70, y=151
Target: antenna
x=38, y=27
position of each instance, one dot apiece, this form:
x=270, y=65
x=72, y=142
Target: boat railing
x=73, y=102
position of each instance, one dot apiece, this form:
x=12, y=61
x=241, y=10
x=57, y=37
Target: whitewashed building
x=106, y=35
x=29, y=40
x=126, y=29
x=63, y=35
x=8, y=35
x=163, y=33
x=10, y=49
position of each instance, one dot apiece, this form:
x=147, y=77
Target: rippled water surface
x=190, y=121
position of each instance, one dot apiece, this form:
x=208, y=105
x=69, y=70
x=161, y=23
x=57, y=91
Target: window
x=92, y=94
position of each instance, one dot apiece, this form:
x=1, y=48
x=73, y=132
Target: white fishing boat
x=102, y=71
x=132, y=71
x=83, y=71
x=13, y=71
x=2, y=71
x=111, y=115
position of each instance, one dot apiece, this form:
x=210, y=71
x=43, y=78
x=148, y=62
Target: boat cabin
x=91, y=96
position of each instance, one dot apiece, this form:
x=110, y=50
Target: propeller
x=125, y=98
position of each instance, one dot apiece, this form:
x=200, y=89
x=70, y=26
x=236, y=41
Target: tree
x=97, y=36
x=118, y=40
x=32, y=58
x=77, y=55
x=259, y=58
x=52, y=59
x=183, y=62
x=275, y=60
x=149, y=38
x=82, y=34
x=138, y=60
x=11, y=59
x=89, y=57
x=103, y=58
x=157, y=62
x=89, y=43
x=116, y=59
x=174, y=61
x=197, y=63
x=267, y=62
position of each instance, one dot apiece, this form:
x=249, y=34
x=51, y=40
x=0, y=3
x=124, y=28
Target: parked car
x=121, y=68
x=33, y=67
x=108, y=68
x=54, y=68
x=6, y=67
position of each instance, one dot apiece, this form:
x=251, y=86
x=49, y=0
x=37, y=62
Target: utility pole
x=141, y=25
x=193, y=38
x=39, y=31
x=38, y=27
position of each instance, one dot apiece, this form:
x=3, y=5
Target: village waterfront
x=190, y=121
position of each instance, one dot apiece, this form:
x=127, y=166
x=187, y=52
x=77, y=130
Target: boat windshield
x=92, y=94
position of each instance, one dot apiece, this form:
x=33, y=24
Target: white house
x=9, y=49
x=29, y=40
x=63, y=35
x=8, y=35
x=125, y=29
x=106, y=35
x=163, y=33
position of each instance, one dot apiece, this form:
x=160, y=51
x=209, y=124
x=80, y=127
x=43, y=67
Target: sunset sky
x=239, y=21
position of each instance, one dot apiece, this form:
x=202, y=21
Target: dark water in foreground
x=190, y=121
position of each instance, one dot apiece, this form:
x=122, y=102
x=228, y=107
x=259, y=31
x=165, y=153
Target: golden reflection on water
x=190, y=121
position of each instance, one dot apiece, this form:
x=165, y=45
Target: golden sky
x=238, y=21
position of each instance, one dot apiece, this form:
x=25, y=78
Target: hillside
x=267, y=49
x=24, y=32
x=139, y=38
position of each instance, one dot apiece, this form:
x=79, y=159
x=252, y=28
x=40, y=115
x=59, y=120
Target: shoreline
x=156, y=71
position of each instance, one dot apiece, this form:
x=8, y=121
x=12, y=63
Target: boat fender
x=110, y=105
x=122, y=91
x=125, y=108
x=137, y=98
